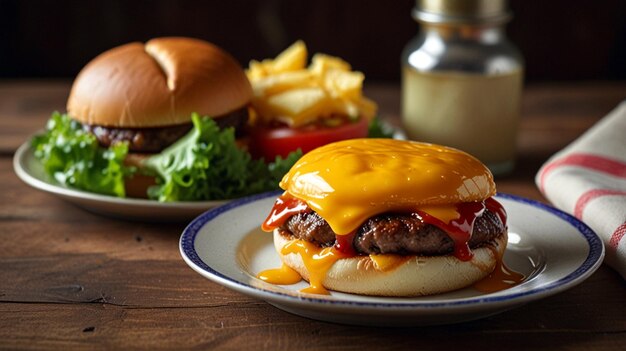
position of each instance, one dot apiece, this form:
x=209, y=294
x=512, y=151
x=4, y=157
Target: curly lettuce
x=74, y=158
x=206, y=164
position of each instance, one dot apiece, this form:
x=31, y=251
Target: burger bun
x=159, y=83
x=416, y=276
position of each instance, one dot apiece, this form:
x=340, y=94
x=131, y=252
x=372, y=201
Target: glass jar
x=462, y=80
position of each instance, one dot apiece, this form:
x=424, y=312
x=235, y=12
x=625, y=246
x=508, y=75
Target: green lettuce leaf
x=377, y=129
x=206, y=164
x=265, y=177
x=73, y=157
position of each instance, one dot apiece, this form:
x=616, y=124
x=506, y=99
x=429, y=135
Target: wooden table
x=70, y=279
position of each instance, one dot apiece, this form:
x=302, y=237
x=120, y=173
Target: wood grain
x=260, y=326
x=70, y=279
x=228, y=320
x=241, y=323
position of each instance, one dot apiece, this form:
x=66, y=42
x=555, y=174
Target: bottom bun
x=418, y=275
x=136, y=186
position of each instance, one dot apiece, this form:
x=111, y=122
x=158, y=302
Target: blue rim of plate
x=591, y=263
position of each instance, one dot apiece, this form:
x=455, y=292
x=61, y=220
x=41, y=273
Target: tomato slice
x=269, y=142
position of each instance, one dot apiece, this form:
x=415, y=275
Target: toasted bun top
x=349, y=181
x=158, y=84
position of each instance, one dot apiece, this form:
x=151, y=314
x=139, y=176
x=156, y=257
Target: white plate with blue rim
x=31, y=172
x=553, y=250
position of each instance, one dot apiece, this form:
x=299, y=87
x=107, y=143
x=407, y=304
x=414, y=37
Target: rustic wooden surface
x=70, y=279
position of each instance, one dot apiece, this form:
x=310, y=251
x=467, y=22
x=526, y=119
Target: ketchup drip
x=344, y=244
x=460, y=229
x=284, y=207
x=495, y=207
x=287, y=206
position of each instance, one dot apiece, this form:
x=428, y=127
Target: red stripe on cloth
x=593, y=162
x=618, y=234
x=585, y=198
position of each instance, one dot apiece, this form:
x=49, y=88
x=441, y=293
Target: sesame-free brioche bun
x=159, y=83
x=416, y=276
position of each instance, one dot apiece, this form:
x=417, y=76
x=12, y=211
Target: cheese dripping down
x=348, y=182
x=319, y=260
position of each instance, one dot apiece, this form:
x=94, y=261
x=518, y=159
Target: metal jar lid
x=461, y=11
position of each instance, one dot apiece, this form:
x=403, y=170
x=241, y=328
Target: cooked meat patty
x=394, y=233
x=153, y=140
x=144, y=140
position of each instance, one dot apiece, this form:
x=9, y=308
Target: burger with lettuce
x=160, y=120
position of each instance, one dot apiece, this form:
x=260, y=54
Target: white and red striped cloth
x=588, y=180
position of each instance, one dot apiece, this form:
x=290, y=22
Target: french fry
x=292, y=59
x=277, y=83
x=286, y=90
x=345, y=84
x=321, y=63
x=300, y=106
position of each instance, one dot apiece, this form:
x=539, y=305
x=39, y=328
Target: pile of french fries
x=286, y=90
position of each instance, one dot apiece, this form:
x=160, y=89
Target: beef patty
x=153, y=140
x=394, y=233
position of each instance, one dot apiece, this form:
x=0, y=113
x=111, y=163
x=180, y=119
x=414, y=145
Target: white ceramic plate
x=31, y=171
x=552, y=249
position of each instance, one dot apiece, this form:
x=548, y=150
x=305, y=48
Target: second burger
x=160, y=120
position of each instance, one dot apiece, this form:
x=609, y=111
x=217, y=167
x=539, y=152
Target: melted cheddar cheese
x=318, y=261
x=349, y=181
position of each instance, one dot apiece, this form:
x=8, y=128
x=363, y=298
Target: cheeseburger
x=386, y=217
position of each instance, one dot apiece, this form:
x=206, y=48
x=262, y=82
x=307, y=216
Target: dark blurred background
x=560, y=39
